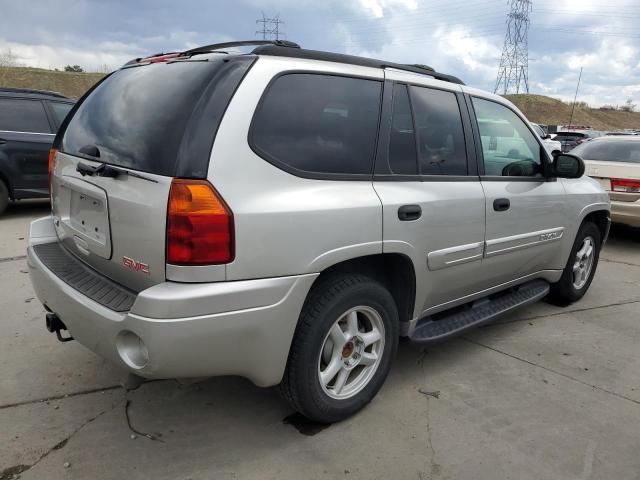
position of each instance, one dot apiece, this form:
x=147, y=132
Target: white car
x=550, y=145
x=615, y=162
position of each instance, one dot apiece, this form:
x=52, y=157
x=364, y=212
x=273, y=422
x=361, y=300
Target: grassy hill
x=71, y=84
x=550, y=111
x=537, y=108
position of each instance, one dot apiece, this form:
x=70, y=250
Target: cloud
x=461, y=37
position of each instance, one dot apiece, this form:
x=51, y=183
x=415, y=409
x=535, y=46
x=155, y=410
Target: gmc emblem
x=135, y=265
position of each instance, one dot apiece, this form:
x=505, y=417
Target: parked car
x=615, y=163
x=28, y=122
x=286, y=215
x=550, y=145
x=570, y=140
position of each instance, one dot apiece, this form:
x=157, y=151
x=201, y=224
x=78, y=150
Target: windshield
x=612, y=151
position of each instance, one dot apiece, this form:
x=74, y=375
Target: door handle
x=2, y=141
x=407, y=213
x=501, y=204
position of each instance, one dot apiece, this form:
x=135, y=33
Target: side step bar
x=444, y=325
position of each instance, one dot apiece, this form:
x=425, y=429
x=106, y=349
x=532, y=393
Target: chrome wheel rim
x=583, y=263
x=351, y=352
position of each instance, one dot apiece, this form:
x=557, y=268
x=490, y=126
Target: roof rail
x=276, y=50
x=163, y=56
x=243, y=43
x=421, y=66
x=32, y=91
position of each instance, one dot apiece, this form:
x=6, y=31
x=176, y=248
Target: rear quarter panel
x=287, y=225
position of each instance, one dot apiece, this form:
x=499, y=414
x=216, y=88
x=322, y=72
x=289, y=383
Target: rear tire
x=581, y=267
x=341, y=353
x=4, y=197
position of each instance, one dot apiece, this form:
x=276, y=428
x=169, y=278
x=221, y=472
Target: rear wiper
x=105, y=170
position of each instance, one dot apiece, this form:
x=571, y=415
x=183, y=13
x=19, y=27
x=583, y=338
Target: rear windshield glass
x=137, y=117
x=570, y=135
x=612, y=151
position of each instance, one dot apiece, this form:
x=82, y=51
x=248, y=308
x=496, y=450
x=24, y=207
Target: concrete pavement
x=548, y=393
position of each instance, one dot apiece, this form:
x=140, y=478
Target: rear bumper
x=240, y=328
x=627, y=213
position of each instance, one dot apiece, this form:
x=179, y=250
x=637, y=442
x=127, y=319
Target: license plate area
x=87, y=219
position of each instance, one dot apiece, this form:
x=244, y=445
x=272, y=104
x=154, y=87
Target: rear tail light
x=579, y=141
x=626, y=186
x=199, y=225
x=52, y=164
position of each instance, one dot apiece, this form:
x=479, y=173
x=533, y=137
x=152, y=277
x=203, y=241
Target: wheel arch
x=394, y=270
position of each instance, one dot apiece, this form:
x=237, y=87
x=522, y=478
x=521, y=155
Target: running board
x=447, y=324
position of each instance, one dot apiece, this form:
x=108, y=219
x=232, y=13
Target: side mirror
x=566, y=165
x=547, y=137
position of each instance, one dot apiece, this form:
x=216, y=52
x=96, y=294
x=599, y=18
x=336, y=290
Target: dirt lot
x=547, y=393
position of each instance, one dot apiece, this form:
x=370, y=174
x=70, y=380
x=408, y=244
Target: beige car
x=615, y=162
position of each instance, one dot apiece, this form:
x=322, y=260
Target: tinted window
x=60, y=110
x=402, y=140
x=138, y=116
x=438, y=123
x=319, y=123
x=508, y=146
x=20, y=115
x=570, y=135
x=609, y=150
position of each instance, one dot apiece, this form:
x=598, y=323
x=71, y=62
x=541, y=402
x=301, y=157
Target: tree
x=629, y=106
x=73, y=68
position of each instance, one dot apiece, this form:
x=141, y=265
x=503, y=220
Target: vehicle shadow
x=26, y=208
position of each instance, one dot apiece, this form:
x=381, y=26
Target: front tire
x=581, y=266
x=341, y=353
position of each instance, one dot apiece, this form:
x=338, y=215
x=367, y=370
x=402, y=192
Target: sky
x=463, y=38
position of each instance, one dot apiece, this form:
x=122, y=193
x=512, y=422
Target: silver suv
x=286, y=215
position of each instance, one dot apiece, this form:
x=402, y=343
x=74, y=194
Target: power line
x=270, y=28
x=513, y=73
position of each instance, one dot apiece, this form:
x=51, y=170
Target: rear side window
x=21, y=115
x=60, y=110
x=323, y=124
x=441, y=143
x=138, y=116
x=610, y=151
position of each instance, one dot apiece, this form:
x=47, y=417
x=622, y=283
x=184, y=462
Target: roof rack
x=32, y=91
x=242, y=43
x=163, y=56
x=274, y=49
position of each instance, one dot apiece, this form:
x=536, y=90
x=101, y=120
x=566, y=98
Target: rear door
x=25, y=139
x=433, y=203
x=525, y=213
x=141, y=127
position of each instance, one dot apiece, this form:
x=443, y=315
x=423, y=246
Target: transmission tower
x=513, y=74
x=270, y=28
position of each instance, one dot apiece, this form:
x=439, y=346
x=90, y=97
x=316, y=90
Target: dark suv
x=29, y=120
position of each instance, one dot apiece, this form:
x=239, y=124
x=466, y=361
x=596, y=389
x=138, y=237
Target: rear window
x=569, y=135
x=138, y=116
x=324, y=124
x=22, y=115
x=60, y=110
x=441, y=144
x=611, y=151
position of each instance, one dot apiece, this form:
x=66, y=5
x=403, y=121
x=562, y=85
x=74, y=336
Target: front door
x=524, y=210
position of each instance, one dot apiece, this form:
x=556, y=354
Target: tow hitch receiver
x=54, y=324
